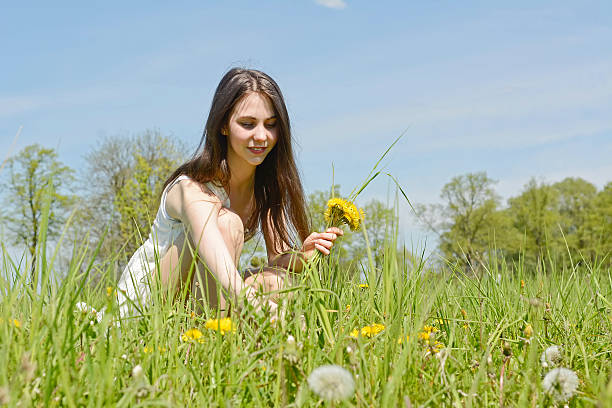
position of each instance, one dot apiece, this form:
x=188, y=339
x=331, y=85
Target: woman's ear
x=224, y=131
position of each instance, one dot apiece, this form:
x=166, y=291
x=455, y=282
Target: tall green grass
x=54, y=355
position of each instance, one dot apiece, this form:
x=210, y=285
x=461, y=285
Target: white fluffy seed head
x=551, y=356
x=137, y=371
x=331, y=382
x=560, y=384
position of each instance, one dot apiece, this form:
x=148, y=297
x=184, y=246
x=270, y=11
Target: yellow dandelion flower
x=110, y=291
x=522, y=283
x=424, y=335
x=368, y=331
x=436, y=347
x=354, y=333
x=364, y=285
x=17, y=323
x=192, y=335
x=347, y=308
x=223, y=325
x=430, y=329
x=528, y=331
x=147, y=349
x=341, y=211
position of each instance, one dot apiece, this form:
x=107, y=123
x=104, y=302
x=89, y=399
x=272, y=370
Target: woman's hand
x=321, y=241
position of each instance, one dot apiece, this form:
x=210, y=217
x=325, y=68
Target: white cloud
x=335, y=4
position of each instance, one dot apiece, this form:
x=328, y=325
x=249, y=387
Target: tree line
x=566, y=223
x=107, y=207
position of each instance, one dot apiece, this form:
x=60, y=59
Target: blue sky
x=519, y=90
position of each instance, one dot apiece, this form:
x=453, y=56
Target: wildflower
x=331, y=382
x=110, y=291
x=137, y=371
x=364, y=285
x=427, y=334
x=436, y=347
x=192, y=335
x=560, y=384
x=147, y=349
x=551, y=356
x=291, y=351
x=464, y=313
x=528, y=331
x=522, y=283
x=341, y=211
x=17, y=323
x=347, y=308
x=402, y=338
x=368, y=331
x=223, y=325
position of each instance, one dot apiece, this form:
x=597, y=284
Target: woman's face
x=252, y=130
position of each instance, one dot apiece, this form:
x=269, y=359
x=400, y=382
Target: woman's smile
x=257, y=150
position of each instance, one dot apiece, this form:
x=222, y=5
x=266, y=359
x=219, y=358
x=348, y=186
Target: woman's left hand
x=321, y=241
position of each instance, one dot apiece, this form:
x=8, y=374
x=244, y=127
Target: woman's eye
x=271, y=125
x=246, y=125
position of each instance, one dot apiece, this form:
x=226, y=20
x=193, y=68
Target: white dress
x=134, y=291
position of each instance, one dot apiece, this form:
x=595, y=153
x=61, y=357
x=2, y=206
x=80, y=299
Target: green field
x=483, y=348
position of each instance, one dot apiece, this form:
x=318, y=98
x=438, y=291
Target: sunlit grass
x=483, y=345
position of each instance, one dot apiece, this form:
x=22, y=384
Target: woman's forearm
x=291, y=261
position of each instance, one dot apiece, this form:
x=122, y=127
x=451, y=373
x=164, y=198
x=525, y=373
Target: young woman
x=242, y=178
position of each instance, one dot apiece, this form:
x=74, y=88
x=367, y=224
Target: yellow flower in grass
x=364, y=285
x=223, y=325
x=17, y=323
x=110, y=291
x=402, y=339
x=368, y=331
x=147, y=349
x=341, y=211
x=192, y=335
x=428, y=334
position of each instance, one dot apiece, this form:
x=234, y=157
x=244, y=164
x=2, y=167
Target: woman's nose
x=260, y=133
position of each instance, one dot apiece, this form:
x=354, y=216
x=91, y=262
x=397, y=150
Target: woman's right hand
x=320, y=241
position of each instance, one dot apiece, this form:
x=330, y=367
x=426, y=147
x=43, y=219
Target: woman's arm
x=198, y=209
x=293, y=260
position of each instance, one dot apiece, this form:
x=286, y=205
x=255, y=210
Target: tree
x=123, y=181
x=535, y=214
x=575, y=204
x=599, y=225
x=34, y=175
x=468, y=223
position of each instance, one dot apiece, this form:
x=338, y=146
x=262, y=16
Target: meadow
x=411, y=335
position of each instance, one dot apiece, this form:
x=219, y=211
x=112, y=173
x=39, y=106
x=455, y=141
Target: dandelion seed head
x=560, y=384
x=331, y=382
x=551, y=356
x=137, y=371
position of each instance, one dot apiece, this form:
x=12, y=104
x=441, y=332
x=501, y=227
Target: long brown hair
x=279, y=196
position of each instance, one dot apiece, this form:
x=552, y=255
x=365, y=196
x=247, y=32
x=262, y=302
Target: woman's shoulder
x=186, y=190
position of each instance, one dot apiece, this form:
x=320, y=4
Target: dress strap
x=219, y=191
